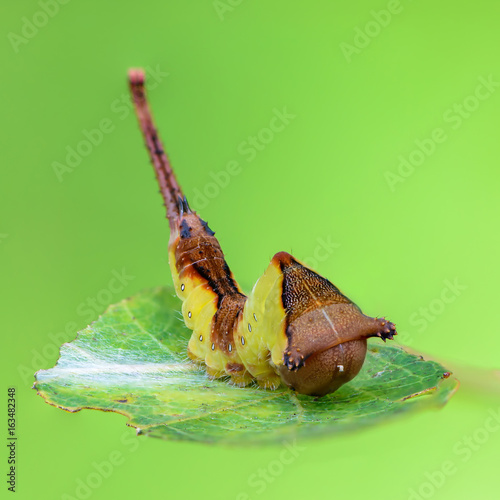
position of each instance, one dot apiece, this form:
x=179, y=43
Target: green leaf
x=133, y=361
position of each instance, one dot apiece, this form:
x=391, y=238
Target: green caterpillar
x=294, y=327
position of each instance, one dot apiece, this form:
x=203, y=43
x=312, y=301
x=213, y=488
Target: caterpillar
x=295, y=327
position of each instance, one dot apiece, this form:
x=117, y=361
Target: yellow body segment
x=199, y=306
x=261, y=338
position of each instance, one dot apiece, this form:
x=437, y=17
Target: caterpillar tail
x=175, y=201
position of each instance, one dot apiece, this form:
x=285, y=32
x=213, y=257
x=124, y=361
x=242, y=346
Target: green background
x=322, y=179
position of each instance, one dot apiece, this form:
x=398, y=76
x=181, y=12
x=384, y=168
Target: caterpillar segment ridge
x=295, y=327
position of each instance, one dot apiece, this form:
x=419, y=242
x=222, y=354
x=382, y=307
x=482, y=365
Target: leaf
x=133, y=361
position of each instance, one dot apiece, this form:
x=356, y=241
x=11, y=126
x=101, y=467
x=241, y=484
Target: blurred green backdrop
x=384, y=178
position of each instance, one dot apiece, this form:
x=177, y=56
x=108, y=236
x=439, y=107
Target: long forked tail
x=175, y=202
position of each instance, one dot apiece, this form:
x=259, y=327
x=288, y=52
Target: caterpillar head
x=327, y=347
